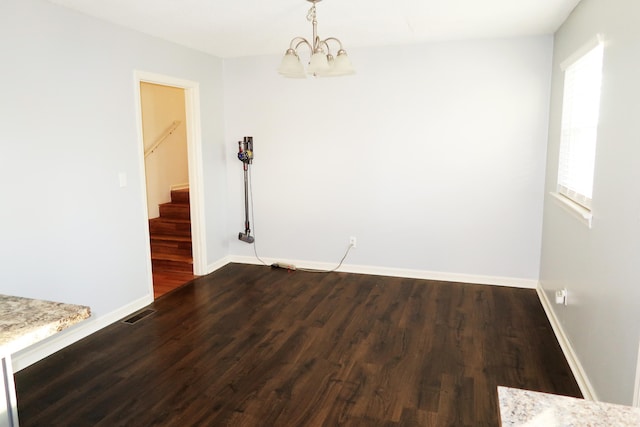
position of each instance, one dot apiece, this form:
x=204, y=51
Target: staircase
x=171, y=256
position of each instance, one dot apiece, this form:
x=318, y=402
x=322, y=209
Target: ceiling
x=231, y=28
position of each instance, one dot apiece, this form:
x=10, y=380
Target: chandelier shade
x=291, y=65
x=321, y=62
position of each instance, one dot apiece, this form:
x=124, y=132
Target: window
x=580, y=111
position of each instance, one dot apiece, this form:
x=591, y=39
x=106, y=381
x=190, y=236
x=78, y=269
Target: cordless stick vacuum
x=245, y=155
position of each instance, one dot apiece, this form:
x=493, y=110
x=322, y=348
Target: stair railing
x=162, y=138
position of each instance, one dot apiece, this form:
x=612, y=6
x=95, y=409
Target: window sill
x=578, y=212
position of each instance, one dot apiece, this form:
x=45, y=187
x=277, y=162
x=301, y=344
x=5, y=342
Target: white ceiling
x=230, y=28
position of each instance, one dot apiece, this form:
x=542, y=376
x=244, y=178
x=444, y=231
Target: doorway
x=169, y=140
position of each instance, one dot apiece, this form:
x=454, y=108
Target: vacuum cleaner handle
x=248, y=147
x=245, y=150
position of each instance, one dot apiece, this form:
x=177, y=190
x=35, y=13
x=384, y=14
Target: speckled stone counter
x=23, y=322
x=532, y=409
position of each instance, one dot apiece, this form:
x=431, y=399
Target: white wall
x=431, y=155
x=68, y=231
x=599, y=266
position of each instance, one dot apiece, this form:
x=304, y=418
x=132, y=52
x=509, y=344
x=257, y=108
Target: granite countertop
x=25, y=321
x=532, y=409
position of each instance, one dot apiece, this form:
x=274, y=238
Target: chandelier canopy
x=321, y=63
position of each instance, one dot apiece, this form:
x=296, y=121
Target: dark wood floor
x=251, y=346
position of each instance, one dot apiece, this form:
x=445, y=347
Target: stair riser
x=174, y=211
x=163, y=265
x=180, y=196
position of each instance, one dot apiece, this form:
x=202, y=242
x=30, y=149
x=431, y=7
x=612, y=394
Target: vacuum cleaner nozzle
x=245, y=237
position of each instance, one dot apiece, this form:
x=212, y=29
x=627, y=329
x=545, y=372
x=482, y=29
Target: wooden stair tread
x=170, y=220
x=159, y=238
x=178, y=205
x=172, y=257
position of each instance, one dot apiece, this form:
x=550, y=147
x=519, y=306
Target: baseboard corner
x=588, y=392
x=218, y=264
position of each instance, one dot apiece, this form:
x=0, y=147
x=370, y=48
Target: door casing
x=194, y=155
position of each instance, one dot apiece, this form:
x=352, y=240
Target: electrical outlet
x=352, y=241
x=561, y=296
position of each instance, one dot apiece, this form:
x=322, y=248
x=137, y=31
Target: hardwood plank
x=252, y=346
x=165, y=282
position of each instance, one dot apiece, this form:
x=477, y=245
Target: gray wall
x=600, y=266
x=67, y=108
x=431, y=155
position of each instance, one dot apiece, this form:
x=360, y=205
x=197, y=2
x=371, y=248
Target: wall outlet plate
x=561, y=297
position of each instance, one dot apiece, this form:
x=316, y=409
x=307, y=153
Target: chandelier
x=322, y=63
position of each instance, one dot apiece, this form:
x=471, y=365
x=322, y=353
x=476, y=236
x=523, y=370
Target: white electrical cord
x=333, y=269
x=255, y=250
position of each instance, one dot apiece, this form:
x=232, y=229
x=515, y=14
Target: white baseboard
x=57, y=342
x=179, y=186
x=636, y=390
x=578, y=371
x=218, y=264
x=398, y=272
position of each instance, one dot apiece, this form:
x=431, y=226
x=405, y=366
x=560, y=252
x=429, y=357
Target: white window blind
x=580, y=111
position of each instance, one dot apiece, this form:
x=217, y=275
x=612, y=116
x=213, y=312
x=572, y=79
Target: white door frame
x=636, y=391
x=194, y=154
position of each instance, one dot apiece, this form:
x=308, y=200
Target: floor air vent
x=138, y=316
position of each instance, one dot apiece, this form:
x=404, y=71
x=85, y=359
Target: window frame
x=572, y=199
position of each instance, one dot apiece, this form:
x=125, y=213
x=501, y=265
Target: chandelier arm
x=296, y=42
x=332, y=39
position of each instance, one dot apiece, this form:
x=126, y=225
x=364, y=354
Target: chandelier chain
x=311, y=15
